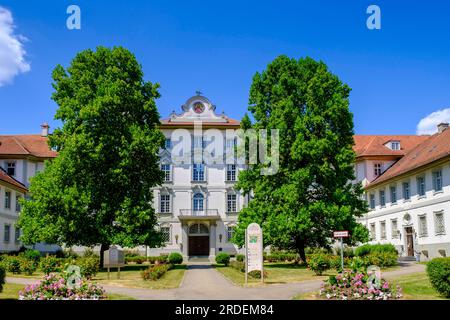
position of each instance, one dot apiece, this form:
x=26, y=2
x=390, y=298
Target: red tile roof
x=26, y=145
x=374, y=145
x=4, y=177
x=435, y=148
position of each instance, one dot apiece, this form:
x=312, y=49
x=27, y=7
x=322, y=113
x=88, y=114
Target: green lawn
x=276, y=273
x=11, y=291
x=415, y=286
x=130, y=276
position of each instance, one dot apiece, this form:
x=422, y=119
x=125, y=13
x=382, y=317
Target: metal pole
x=262, y=259
x=246, y=258
x=342, y=255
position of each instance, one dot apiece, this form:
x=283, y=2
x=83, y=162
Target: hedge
x=438, y=271
x=156, y=272
x=371, y=248
x=223, y=258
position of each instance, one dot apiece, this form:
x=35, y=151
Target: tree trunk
x=103, y=248
x=301, y=249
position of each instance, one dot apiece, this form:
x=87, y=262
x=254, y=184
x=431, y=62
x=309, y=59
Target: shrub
x=89, y=252
x=2, y=277
x=371, y=248
x=55, y=287
x=157, y=259
x=281, y=257
x=318, y=262
x=89, y=266
x=256, y=274
x=70, y=254
x=382, y=259
x=352, y=285
x=223, y=258
x=238, y=265
x=335, y=262
x=49, y=264
x=13, y=265
x=135, y=259
x=438, y=271
x=175, y=258
x=155, y=272
x=240, y=257
x=28, y=266
x=33, y=255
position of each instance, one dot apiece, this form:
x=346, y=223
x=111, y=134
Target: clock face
x=198, y=107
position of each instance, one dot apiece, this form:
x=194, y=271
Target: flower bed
x=352, y=285
x=55, y=287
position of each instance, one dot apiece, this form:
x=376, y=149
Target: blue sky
x=398, y=75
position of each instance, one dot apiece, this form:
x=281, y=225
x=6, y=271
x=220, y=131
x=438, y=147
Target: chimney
x=442, y=126
x=44, y=129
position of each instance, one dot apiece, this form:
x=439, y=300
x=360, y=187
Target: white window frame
x=6, y=234
x=423, y=229
x=383, y=230
x=8, y=195
x=406, y=191
x=437, y=180
x=231, y=172
x=167, y=173
x=382, y=194
x=393, y=194
x=377, y=169
x=11, y=165
x=372, y=202
x=167, y=234
x=373, y=231
x=165, y=205
x=421, y=183
x=198, y=175
x=394, y=229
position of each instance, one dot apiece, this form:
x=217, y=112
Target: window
x=230, y=231
x=7, y=199
x=17, y=235
x=231, y=203
x=372, y=201
x=198, y=202
x=165, y=234
x=373, y=235
x=11, y=168
x=198, y=228
x=6, y=234
x=166, y=169
x=199, y=142
x=421, y=186
x=168, y=144
x=395, y=145
x=394, y=229
x=406, y=192
x=164, y=203
x=231, y=172
x=423, y=230
x=437, y=180
x=383, y=230
x=393, y=194
x=377, y=169
x=198, y=172
x=382, y=198
x=18, y=203
x=439, y=226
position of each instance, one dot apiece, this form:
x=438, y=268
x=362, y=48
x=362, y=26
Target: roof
x=374, y=145
x=26, y=145
x=4, y=177
x=229, y=123
x=433, y=149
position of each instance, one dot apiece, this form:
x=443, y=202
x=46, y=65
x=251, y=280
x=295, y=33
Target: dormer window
x=395, y=145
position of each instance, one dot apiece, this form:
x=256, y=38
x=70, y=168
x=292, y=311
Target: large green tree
x=97, y=191
x=312, y=193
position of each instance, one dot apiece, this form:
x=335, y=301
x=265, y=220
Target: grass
x=11, y=292
x=276, y=273
x=415, y=286
x=130, y=276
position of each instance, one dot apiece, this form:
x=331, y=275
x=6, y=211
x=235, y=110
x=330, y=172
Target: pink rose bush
x=55, y=287
x=353, y=285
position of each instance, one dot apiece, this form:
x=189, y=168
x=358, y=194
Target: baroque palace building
x=406, y=180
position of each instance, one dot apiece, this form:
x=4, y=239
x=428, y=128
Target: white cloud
x=12, y=53
x=428, y=125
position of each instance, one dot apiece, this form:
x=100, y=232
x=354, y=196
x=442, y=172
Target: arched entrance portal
x=198, y=240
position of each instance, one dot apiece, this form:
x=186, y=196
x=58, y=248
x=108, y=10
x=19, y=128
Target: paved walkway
x=203, y=282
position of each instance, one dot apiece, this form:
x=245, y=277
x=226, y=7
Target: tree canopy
x=98, y=189
x=313, y=192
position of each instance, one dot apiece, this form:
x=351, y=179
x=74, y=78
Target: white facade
x=197, y=208
x=9, y=213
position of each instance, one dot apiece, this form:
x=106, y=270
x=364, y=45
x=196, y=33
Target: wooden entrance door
x=409, y=241
x=199, y=245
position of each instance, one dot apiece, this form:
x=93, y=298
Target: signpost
x=341, y=235
x=253, y=250
x=113, y=258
